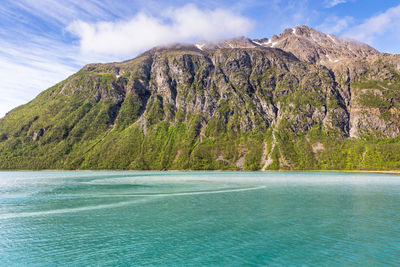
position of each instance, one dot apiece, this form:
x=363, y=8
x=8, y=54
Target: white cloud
x=333, y=3
x=376, y=26
x=185, y=24
x=335, y=25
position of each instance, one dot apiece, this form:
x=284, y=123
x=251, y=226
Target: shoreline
x=392, y=172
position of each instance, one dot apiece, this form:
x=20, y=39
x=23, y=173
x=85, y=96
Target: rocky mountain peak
x=239, y=42
x=305, y=43
x=316, y=47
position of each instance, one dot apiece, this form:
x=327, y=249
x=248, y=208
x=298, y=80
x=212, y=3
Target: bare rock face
x=282, y=86
x=313, y=46
x=240, y=42
x=349, y=63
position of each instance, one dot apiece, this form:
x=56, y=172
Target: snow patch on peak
x=313, y=38
x=331, y=60
x=270, y=43
x=200, y=46
x=255, y=42
x=331, y=37
x=294, y=31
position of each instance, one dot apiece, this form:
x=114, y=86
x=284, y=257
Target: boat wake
x=147, y=197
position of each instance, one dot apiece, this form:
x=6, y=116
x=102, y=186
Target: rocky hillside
x=300, y=100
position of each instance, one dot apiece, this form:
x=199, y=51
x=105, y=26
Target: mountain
x=299, y=100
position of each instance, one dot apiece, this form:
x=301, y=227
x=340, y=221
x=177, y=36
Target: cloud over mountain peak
x=143, y=31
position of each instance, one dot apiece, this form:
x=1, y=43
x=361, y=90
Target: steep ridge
x=300, y=100
x=314, y=46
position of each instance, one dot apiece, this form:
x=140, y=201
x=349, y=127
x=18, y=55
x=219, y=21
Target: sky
x=42, y=42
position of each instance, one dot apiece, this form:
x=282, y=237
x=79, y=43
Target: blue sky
x=44, y=41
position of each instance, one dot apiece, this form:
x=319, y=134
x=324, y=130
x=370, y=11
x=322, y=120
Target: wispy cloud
x=376, y=26
x=26, y=72
x=335, y=25
x=63, y=12
x=142, y=31
x=332, y=3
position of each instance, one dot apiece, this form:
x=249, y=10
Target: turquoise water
x=199, y=218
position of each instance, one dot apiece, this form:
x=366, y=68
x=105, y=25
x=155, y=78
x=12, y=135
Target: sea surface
x=132, y=218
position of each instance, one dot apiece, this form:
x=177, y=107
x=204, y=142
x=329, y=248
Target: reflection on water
x=199, y=218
